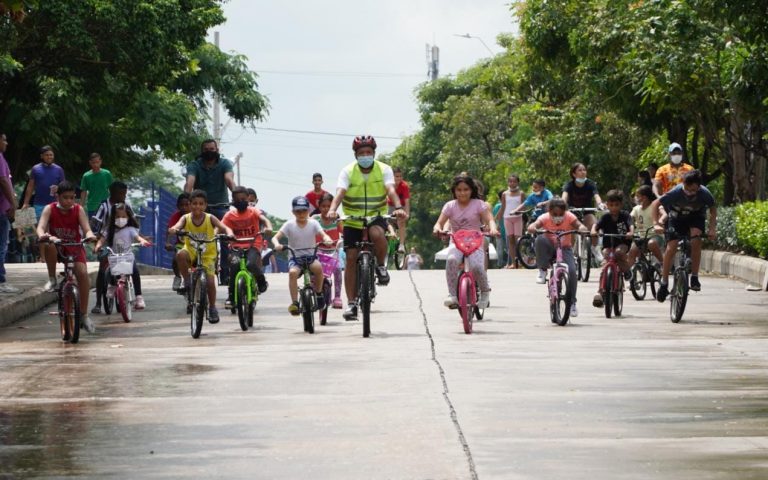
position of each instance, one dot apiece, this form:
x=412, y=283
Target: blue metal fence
x=154, y=225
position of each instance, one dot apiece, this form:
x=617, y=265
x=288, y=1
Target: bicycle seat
x=467, y=241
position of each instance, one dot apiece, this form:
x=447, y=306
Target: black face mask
x=208, y=156
x=240, y=206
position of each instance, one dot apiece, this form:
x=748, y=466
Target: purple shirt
x=467, y=218
x=45, y=176
x=5, y=203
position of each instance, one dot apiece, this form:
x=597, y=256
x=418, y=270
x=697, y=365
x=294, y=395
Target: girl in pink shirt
x=465, y=212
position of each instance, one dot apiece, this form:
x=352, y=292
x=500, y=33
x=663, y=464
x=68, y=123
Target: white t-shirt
x=123, y=239
x=302, y=239
x=642, y=219
x=386, y=171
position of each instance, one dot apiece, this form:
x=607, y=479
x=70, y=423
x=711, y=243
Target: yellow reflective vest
x=364, y=197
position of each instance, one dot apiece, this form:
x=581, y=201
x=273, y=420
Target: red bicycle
x=612, y=280
x=67, y=294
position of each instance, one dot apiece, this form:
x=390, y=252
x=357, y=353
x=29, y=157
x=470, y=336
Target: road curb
x=750, y=269
x=145, y=269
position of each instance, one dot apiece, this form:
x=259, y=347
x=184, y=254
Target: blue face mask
x=580, y=181
x=365, y=161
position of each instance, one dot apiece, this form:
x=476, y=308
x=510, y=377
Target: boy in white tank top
x=513, y=223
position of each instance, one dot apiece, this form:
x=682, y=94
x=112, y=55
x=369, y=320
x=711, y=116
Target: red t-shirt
x=65, y=224
x=245, y=224
x=173, y=221
x=403, y=191
x=314, y=198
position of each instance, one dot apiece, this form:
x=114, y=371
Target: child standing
x=512, y=199
x=122, y=231
x=301, y=232
x=182, y=208
x=202, y=225
x=617, y=222
x=465, y=212
x=64, y=220
x=245, y=222
x=333, y=229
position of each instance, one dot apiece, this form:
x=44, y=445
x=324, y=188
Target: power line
x=341, y=74
x=313, y=132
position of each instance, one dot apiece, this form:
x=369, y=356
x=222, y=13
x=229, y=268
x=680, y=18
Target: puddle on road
x=191, y=369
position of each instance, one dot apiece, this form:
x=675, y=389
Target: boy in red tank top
x=64, y=220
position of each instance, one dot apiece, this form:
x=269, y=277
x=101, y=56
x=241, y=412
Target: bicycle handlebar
x=364, y=218
x=562, y=233
x=111, y=251
x=216, y=237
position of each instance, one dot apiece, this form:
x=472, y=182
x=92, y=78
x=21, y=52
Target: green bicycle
x=394, y=254
x=245, y=294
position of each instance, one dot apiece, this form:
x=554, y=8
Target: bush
x=726, y=230
x=752, y=226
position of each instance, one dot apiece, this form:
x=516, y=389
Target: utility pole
x=433, y=62
x=216, y=106
x=237, y=164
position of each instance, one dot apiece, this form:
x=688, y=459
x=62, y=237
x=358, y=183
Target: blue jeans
x=5, y=228
x=223, y=247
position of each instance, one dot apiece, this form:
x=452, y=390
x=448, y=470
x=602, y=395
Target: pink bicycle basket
x=467, y=241
x=328, y=262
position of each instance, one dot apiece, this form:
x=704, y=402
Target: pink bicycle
x=468, y=241
x=559, y=287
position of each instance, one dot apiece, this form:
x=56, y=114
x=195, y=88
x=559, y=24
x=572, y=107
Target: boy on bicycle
x=301, y=233
x=245, y=222
x=202, y=226
x=685, y=209
x=615, y=222
x=64, y=220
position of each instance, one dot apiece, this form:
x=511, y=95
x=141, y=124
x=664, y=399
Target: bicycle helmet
x=363, y=141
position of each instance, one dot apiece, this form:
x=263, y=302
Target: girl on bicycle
x=579, y=192
x=334, y=230
x=465, y=212
x=557, y=219
x=122, y=231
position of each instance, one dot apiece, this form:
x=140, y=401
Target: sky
x=341, y=66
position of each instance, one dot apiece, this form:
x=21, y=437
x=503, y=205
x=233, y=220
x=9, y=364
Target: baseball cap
x=674, y=146
x=300, y=203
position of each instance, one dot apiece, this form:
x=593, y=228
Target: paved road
x=629, y=398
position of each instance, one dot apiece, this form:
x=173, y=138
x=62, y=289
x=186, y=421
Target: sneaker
x=213, y=315
x=542, y=278
x=451, y=301
x=350, y=313
x=111, y=291
x=176, y=284
x=50, y=285
x=597, y=302
x=574, y=311
x=139, y=303
x=228, y=304
x=401, y=248
x=598, y=256
x=294, y=309
x=382, y=275
x=662, y=292
x=320, y=300
x=484, y=300
x=337, y=303
x=695, y=284
x=88, y=325
x=5, y=288
x=262, y=284
x=96, y=309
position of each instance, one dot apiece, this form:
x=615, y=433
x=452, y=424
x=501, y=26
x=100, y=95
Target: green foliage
x=752, y=226
x=726, y=230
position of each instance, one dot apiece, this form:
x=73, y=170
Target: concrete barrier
x=750, y=269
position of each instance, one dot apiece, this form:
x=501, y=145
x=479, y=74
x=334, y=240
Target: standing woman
x=580, y=193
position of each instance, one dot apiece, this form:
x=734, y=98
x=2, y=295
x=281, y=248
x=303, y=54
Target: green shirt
x=211, y=180
x=97, y=185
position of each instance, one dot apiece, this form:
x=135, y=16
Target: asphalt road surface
x=635, y=397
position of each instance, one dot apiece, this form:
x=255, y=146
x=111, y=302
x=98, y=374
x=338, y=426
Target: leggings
x=476, y=266
x=545, y=255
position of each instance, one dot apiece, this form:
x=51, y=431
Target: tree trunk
x=694, y=153
x=737, y=138
x=677, y=131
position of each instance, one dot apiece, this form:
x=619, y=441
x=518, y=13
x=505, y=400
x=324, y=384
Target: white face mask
x=558, y=220
x=676, y=159
x=121, y=222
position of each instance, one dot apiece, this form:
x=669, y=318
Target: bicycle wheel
x=679, y=296
x=106, y=302
x=466, y=309
x=479, y=312
x=63, y=325
x=618, y=297
x=199, y=301
x=608, y=293
x=637, y=283
x=586, y=259
x=526, y=254
x=307, y=304
x=72, y=314
x=364, y=275
x=327, y=298
x=123, y=302
x=561, y=305
x=241, y=302
x=654, y=278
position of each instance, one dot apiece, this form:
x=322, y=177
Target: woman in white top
x=513, y=223
x=414, y=260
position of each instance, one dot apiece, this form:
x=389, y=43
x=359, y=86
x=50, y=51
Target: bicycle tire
x=72, y=314
x=637, y=283
x=364, y=275
x=608, y=292
x=588, y=264
x=123, y=302
x=561, y=308
x=526, y=253
x=479, y=312
x=63, y=326
x=618, y=298
x=198, y=300
x=327, y=298
x=307, y=303
x=679, y=297
x=466, y=307
x=655, y=280
x=106, y=302
x=241, y=302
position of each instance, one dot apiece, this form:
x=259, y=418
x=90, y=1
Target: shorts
x=77, y=252
x=679, y=226
x=513, y=226
x=209, y=260
x=38, y=211
x=303, y=261
x=611, y=242
x=354, y=235
x=658, y=238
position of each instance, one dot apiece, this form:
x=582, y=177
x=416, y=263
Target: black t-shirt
x=621, y=226
x=580, y=197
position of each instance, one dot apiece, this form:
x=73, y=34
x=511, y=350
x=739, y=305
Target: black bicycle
x=678, y=295
x=645, y=273
x=526, y=253
x=307, y=297
x=582, y=247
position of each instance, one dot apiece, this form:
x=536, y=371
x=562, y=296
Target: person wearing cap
x=300, y=233
x=670, y=175
x=362, y=189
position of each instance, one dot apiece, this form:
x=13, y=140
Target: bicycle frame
x=243, y=272
x=69, y=321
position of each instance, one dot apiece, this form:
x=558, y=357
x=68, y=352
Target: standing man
x=215, y=175
x=670, y=175
x=94, y=187
x=404, y=193
x=7, y=213
x=363, y=188
x=44, y=182
x=316, y=193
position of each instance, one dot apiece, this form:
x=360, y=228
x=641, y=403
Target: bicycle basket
x=467, y=241
x=121, y=264
x=328, y=262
